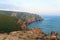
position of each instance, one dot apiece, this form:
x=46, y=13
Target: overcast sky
x=34, y=6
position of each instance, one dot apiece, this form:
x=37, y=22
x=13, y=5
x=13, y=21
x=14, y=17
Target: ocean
x=49, y=24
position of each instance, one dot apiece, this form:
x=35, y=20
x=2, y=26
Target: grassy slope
x=8, y=23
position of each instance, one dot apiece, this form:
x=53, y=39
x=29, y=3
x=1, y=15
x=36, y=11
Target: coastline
x=25, y=33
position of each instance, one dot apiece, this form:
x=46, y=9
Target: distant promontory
x=25, y=16
x=15, y=21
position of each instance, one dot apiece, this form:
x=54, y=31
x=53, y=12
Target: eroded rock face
x=31, y=20
x=22, y=24
x=37, y=31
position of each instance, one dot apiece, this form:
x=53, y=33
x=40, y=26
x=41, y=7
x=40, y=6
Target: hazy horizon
x=43, y=7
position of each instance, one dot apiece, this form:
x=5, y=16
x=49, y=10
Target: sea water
x=49, y=24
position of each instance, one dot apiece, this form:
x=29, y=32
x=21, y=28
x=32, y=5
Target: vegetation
x=8, y=23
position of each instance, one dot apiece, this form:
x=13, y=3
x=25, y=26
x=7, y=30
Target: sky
x=49, y=7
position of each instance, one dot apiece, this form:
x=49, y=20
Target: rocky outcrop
x=22, y=24
x=30, y=18
x=52, y=36
x=13, y=14
x=33, y=34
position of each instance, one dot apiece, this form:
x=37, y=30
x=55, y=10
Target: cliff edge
x=25, y=16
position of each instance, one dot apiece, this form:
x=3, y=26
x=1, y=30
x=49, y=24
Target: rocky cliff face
x=28, y=17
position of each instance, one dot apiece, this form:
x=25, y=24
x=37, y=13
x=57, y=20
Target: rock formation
x=33, y=34
x=13, y=14
x=22, y=24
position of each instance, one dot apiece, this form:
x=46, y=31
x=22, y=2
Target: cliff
x=22, y=19
x=27, y=17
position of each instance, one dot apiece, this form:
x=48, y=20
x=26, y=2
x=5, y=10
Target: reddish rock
x=19, y=21
x=36, y=31
x=22, y=24
x=31, y=20
x=52, y=36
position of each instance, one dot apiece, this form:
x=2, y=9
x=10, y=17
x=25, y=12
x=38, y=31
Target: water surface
x=50, y=23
